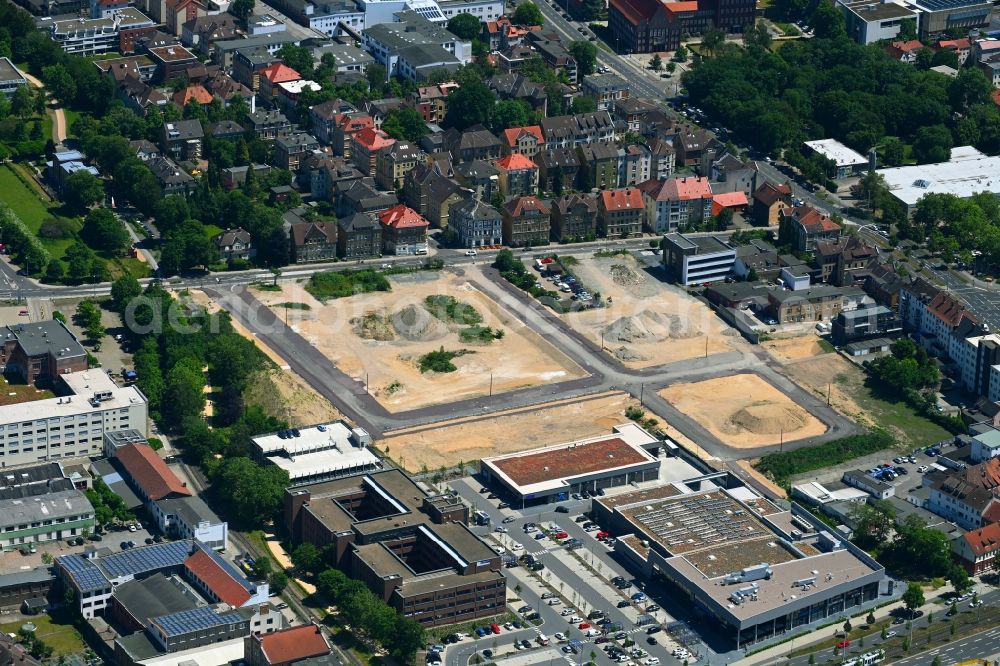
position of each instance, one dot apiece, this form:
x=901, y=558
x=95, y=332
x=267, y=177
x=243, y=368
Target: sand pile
x=373, y=326
x=625, y=354
x=647, y=327
x=767, y=418
x=624, y=276
x=416, y=324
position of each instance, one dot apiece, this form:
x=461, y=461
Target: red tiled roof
x=521, y=205
x=515, y=162
x=402, y=216
x=813, y=220
x=992, y=513
x=217, y=579
x=769, y=193
x=373, y=139
x=515, y=133
x=279, y=73
x=622, y=199
x=959, y=44
x=950, y=310
x=995, y=96
x=728, y=200
x=636, y=11
x=293, y=644
x=196, y=92
x=985, y=540
x=149, y=472
x=565, y=461
x=681, y=7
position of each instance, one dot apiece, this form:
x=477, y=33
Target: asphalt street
x=984, y=645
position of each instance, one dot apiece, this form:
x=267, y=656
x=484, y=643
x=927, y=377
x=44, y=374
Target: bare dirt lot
x=378, y=338
x=446, y=444
x=285, y=395
x=793, y=349
x=648, y=322
x=743, y=410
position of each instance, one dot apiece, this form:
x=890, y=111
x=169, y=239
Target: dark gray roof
x=192, y=510
x=599, y=150
x=422, y=55
x=114, y=480
x=45, y=337
x=224, y=128
x=477, y=210
x=168, y=172
x=358, y=222
x=476, y=170
x=605, y=83
x=17, y=578
x=138, y=646
x=297, y=142
x=182, y=130
x=557, y=157
x=154, y=596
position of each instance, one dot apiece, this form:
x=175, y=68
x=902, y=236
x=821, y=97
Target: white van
x=542, y=639
x=592, y=632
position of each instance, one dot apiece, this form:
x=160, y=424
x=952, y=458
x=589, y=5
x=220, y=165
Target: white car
x=566, y=611
x=499, y=550
x=575, y=619
x=517, y=547
x=555, y=602
x=471, y=253
x=559, y=636
x=652, y=661
x=922, y=469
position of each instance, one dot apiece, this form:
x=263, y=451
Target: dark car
x=601, y=639
x=561, y=509
x=623, y=604
x=655, y=629
x=503, y=505
x=651, y=640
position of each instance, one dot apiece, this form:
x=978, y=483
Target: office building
x=93, y=36
x=695, y=260
x=869, y=22
x=40, y=352
x=10, y=78
x=967, y=172
x=865, y=324
x=848, y=162
x=39, y=503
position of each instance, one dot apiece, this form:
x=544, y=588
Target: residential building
x=234, y=177
x=769, y=202
x=518, y=175
x=865, y=324
x=204, y=31
x=348, y=125
x=365, y=147
x=848, y=162
x=677, y=202
x=181, y=139
x=393, y=162
x=600, y=164
x=235, y=244
x=431, y=102
x=517, y=86
x=360, y=196
x=418, y=181
x=359, y=236
x=758, y=256
x=845, y=261
x=621, y=212
x=481, y=177
x=443, y=193
x=985, y=446
x=729, y=173
x=904, y=50
x=39, y=504
x=554, y=54
x=634, y=164
x=40, y=352
x=94, y=36
x=313, y=241
x=248, y=63
x=574, y=217
x=171, y=62
x=961, y=47
x=477, y=224
x=525, y=222
x=696, y=260
x=411, y=549
x=404, y=231
x=287, y=646
x=662, y=158
x=964, y=496
x=804, y=227
x=817, y=303
x=694, y=147
x=474, y=143
x=268, y=124
x=226, y=129
x=484, y=10
x=967, y=172
x=226, y=49
x=572, y=131
x=868, y=22
x=170, y=176
x=977, y=549
x=291, y=149
x=883, y=284
x=272, y=76
x=527, y=141
x=558, y=169
x=11, y=78
x=606, y=90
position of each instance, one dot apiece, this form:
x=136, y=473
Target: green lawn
x=33, y=211
x=56, y=632
x=212, y=230
x=71, y=117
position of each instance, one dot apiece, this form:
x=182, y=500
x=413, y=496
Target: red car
x=562, y=535
x=583, y=625
x=602, y=534
x=844, y=644
x=495, y=627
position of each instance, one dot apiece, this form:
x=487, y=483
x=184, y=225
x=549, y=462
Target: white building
x=71, y=426
x=317, y=453
x=985, y=446
x=966, y=173
x=484, y=10
x=848, y=161
x=869, y=22
x=385, y=41
x=693, y=260
x=94, y=36
x=190, y=518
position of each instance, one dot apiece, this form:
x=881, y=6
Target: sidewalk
x=780, y=651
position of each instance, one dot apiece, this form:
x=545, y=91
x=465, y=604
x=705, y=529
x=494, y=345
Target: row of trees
x=371, y=617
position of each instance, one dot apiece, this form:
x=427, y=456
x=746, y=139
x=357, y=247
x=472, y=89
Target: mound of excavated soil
x=624, y=276
x=373, y=326
x=415, y=323
x=647, y=327
x=768, y=418
x=625, y=354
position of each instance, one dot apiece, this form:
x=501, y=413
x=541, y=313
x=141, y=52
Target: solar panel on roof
x=146, y=558
x=84, y=572
x=937, y=5
x=195, y=619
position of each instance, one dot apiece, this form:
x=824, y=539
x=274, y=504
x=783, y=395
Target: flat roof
x=838, y=152
x=880, y=11
x=53, y=506
x=963, y=175
x=313, y=438
x=153, y=596
x=8, y=72
x=216, y=653
x=46, y=337
x=550, y=467
x=324, y=449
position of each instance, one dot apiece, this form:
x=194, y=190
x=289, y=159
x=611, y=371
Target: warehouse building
x=751, y=567
x=552, y=473
x=966, y=173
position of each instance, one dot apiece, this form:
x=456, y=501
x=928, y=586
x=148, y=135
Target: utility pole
x=829, y=385
x=491, y=384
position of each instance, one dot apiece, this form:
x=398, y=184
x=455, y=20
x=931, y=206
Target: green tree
x=262, y=566
x=712, y=39
x=932, y=144
x=505, y=261
x=82, y=189
x=298, y=58
x=183, y=393
x=465, y=25
x=870, y=619
x=278, y=581
x=22, y=103
x=241, y=9
x=583, y=105
x=585, y=54
x=592, y=9
x=306, y=557
x=472, y=104
x=123, y=290
x=913, y=597
x=60, y=83
x=527, y=13
x=681, y=54
x=828, y=21
x=891, y=151
x=656, y=63
x=254, y=490
x=105, y=232
x=404, y=123
x=509, y=113
x=186, y=247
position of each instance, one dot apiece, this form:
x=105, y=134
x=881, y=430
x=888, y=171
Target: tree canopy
x=105, y=232
x=527, y=13
x=465, y=25
x=82, y=189
x=404, y=123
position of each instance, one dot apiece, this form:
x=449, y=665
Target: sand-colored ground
x=743, y=411
x=793, y=349
x=285, y=395
x=834, y=376
x=463, y=440
x=378, y=339
x=648, y=322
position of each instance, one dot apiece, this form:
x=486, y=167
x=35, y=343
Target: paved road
x=984, y=645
